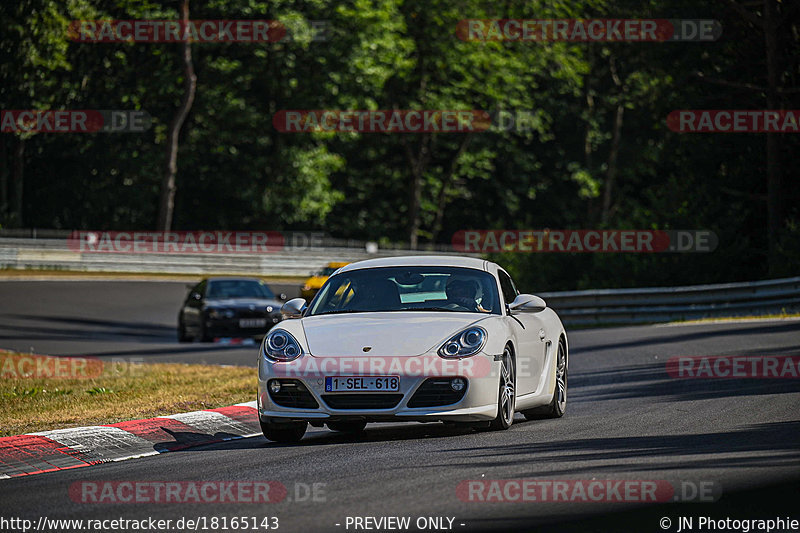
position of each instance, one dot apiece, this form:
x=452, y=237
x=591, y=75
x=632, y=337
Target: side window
x=507, y=286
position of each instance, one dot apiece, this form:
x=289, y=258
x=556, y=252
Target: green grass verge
x=40, y=393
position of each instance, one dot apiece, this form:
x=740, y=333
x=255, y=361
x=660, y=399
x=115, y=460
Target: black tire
x=182, y=335
x=506, y=397
x=558, y=404
x=287, y=432
x=348, y=426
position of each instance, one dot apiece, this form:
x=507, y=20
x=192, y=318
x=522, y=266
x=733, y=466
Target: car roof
x=420, y=260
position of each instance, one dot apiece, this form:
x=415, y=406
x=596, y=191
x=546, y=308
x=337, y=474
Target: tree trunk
x=774, y=207
x=588, y=160
x=3, y=180
x=19, y=182
x=611, y=173
x=446, y=180
x=417, y=165
x=167, y=199
x=593, y=205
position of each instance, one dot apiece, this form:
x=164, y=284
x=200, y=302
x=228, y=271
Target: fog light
x=274, y=386
x=458, y=384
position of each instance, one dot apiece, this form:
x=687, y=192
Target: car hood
x=388, y=334
x=244, y=303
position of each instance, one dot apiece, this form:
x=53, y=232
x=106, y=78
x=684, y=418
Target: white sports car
x=412, y=338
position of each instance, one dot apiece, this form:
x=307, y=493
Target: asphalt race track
x=627, y=419
x=131, y=320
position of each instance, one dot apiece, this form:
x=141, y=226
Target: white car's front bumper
x=478, y=403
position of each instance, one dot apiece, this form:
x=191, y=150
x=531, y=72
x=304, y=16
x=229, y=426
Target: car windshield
x=237, y=288
x=430, y=288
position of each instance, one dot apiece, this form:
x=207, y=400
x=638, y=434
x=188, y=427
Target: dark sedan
x=228, y=307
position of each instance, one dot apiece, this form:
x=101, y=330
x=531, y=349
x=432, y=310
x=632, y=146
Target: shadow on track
x=651, y=382
x=322, y=437
x=673, y=336
x=85, y=329
x=777, y=442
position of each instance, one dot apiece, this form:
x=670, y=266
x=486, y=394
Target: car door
x=530, y=344
x=192, y=307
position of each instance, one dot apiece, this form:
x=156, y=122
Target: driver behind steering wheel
x=464, y=293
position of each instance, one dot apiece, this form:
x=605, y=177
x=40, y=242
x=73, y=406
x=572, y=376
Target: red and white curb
x=61, y=449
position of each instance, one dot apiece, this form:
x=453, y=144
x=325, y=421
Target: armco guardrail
x=590, y=307
x=54, y=254
x=665, y=304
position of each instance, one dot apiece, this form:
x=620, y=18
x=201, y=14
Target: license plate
x=362, y=383
x=252, y=322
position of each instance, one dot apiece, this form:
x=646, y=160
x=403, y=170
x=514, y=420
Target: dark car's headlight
x=464, y=343
x=279, y=345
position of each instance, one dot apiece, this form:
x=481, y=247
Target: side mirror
x=528, y=302
x=293, y=308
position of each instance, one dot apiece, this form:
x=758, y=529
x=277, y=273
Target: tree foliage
x=596, y=152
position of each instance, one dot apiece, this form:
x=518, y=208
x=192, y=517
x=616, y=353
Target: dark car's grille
x=251, y=313
x=362, y=400
x=436, y=391
x=293, y=394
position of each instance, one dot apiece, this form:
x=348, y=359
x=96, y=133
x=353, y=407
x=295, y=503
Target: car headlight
x=279, y=345
x=464, y=343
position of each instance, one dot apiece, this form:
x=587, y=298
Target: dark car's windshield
x=430, y=288
x=237, y=288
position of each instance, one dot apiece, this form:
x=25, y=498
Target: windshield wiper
x=340, y=311
x=434, y=309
